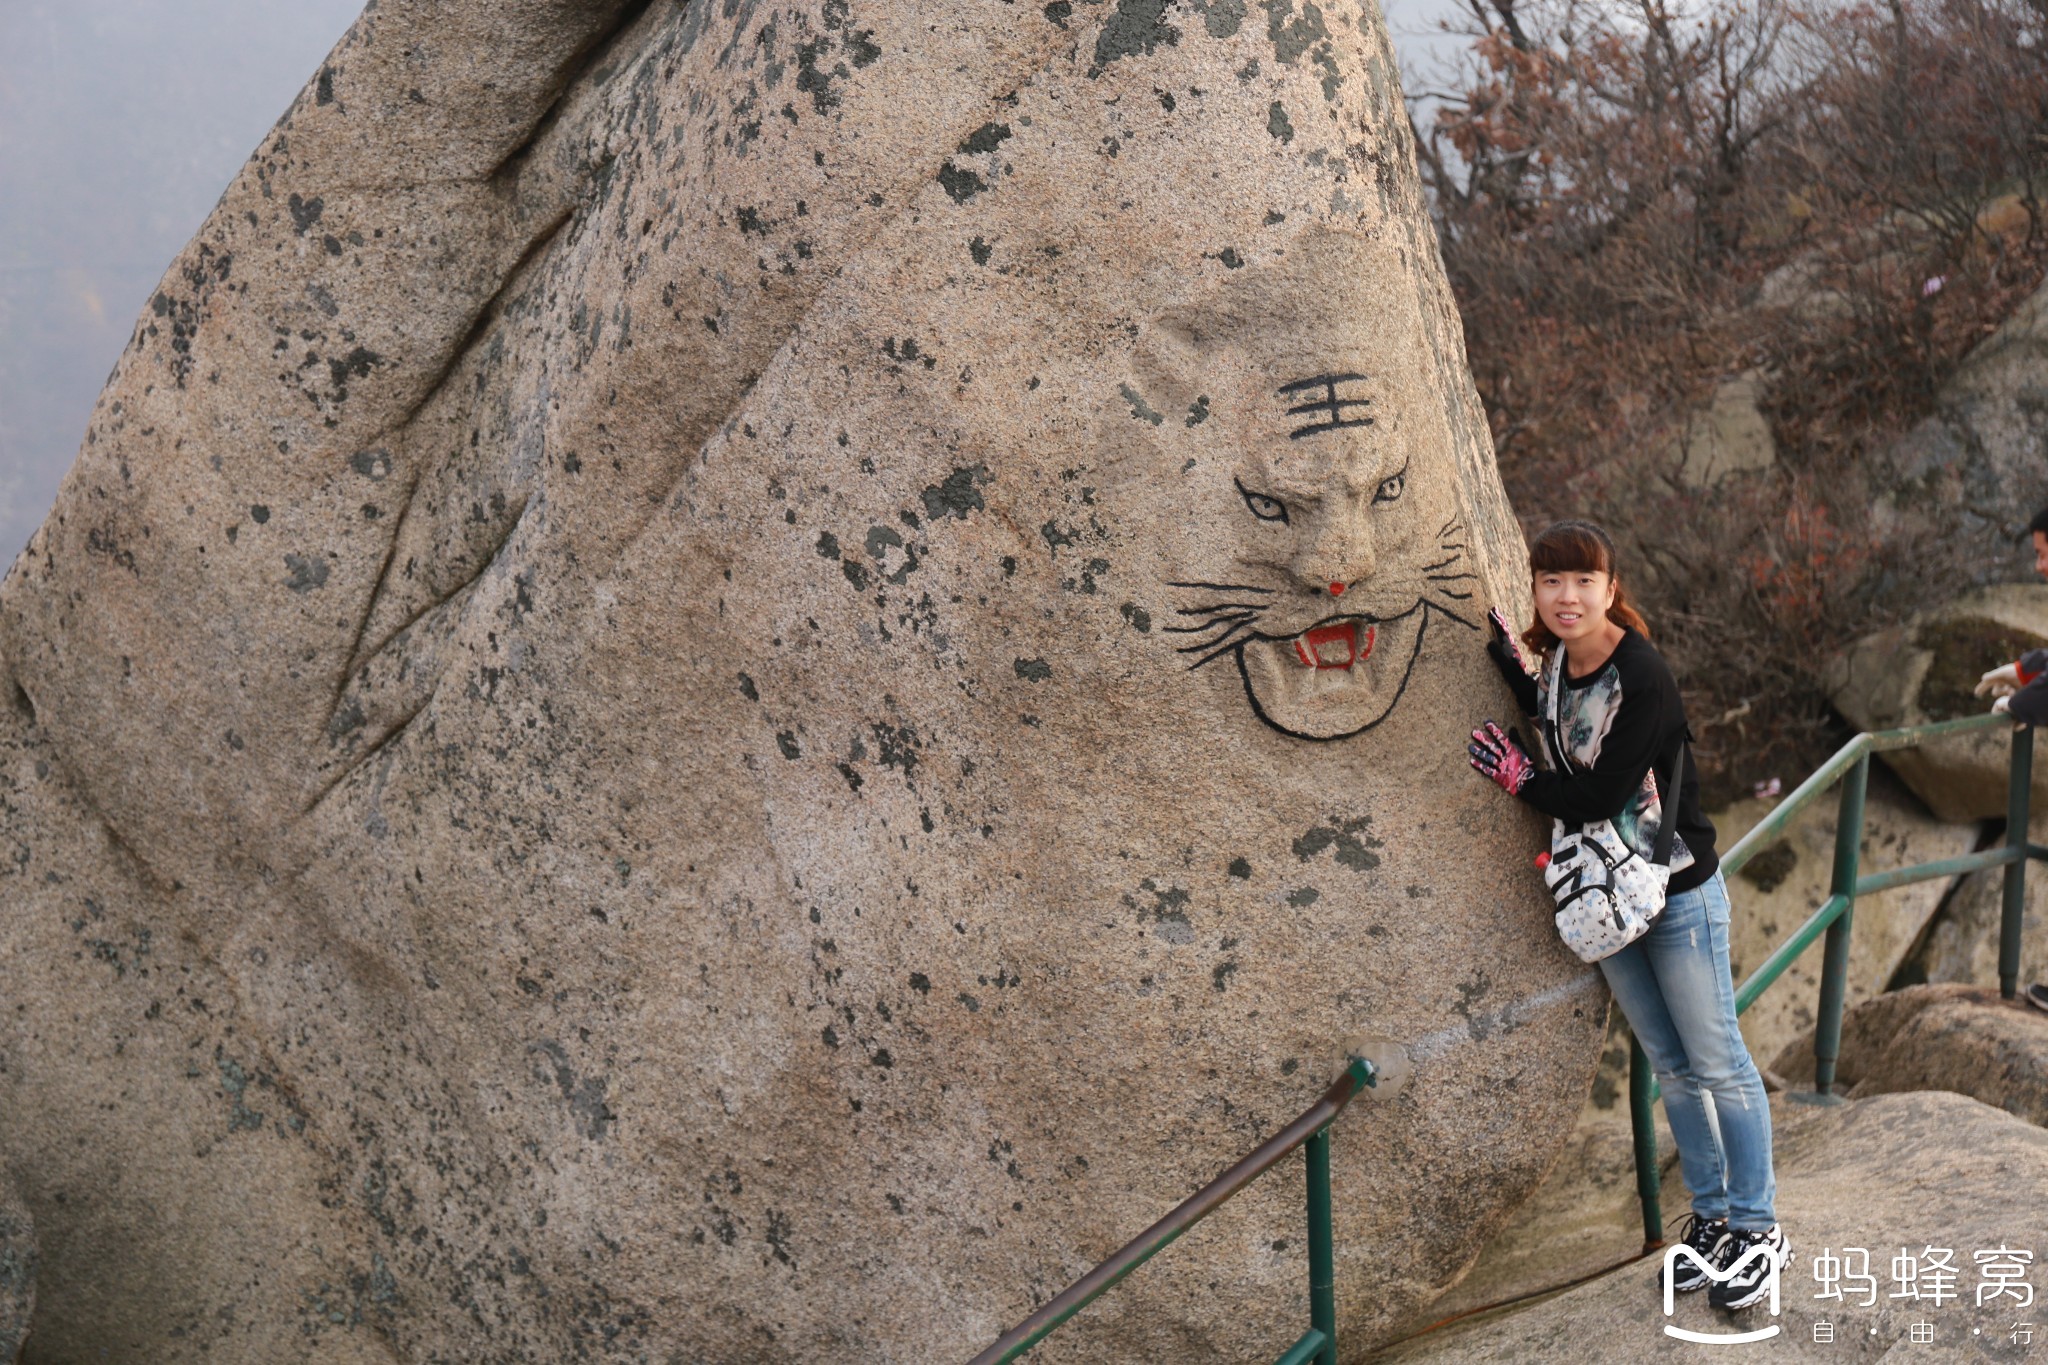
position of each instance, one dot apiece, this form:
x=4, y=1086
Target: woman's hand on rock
x=1504, y=644
x=1500, y=758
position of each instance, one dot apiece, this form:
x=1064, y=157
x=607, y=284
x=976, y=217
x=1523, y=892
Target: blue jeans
x=1674, y=987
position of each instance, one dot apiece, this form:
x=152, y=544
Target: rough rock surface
x=1924, y=670
x=1584, y=1218
x=1964, y=482
x=17, y=1272
x=1728, y=436
x=1940, y=1037
x=689, y=703
x=1961, y=944
x=1896, y=1171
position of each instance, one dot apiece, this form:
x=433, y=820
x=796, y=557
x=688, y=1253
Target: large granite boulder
x=1941, y=1037
x=1895, y=1172
x=1924, y=670
x=736, y=682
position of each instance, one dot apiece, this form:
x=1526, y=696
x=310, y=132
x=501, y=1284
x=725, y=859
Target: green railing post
x=1322, y=1248
x=1643, y=1124
x=1834, y=968
x=2019, y=788
x=1305, y=1351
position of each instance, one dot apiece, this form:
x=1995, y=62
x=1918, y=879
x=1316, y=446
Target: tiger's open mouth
x=1335, y=644
x=1336, y=678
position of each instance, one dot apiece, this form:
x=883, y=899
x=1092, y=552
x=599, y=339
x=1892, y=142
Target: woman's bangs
x=1569, y=549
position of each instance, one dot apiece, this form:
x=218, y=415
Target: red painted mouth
x=1338, y=645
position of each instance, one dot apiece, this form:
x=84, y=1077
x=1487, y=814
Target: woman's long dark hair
x=1578, y=547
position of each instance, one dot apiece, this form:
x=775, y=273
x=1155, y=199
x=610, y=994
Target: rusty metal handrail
x=1311, y=1129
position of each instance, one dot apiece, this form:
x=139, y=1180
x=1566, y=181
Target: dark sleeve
x=1520, y=683
x=2033, y=663
x=1625, y=754
x=2029, y=705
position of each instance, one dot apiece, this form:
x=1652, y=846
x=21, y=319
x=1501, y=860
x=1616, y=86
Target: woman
x=1623, y=726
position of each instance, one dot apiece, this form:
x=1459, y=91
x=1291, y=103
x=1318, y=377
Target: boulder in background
x=1729, y=436
x=1967, y=1039
x=1961, y=942
x=1924, y=670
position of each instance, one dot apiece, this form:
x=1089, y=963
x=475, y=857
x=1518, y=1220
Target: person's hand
x=2002, y=681
x=2003, y=706
x=1500, y=758
x=1504, y=643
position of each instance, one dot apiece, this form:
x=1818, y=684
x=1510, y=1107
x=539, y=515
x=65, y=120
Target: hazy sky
x=121, y=121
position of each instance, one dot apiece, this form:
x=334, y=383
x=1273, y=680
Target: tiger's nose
x=1336, y=590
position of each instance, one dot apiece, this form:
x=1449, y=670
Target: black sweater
x=1646, y=730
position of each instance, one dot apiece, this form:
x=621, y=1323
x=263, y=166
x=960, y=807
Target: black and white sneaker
x=2037, y=995
x=1707, y=1240
x=1751, y=1279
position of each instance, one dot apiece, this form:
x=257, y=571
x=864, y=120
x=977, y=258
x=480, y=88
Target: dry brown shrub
x=1638, y=201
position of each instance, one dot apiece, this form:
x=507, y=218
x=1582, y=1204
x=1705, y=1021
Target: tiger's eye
x=1390, y=487
x=1263, y=507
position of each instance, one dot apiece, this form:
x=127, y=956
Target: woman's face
x=1573, y=603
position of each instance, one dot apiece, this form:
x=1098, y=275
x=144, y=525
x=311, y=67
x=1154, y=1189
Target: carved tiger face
x=1324, y=530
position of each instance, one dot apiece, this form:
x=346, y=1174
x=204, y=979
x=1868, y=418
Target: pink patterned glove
x=1504, y=645
x=1499, y=757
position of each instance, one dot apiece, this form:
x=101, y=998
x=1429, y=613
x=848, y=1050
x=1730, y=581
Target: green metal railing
x=1310, y=1131
x=1851, y=767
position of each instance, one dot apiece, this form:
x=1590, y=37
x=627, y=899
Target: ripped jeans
x=1674, y=987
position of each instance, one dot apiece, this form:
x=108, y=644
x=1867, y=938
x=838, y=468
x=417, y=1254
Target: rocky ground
x=1939, y=1143
x=1930, y=1168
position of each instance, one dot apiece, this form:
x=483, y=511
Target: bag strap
x=1551, y=733
x=1667, y=828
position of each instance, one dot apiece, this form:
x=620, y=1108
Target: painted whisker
x=1215, y=607
x=1207, y=625
x=1226, y=587
x=1440, y=609
x=1225, y=647
x=1229, y=623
